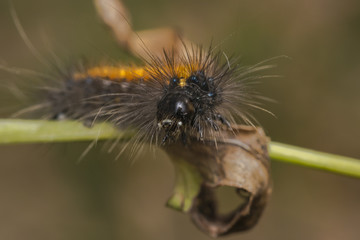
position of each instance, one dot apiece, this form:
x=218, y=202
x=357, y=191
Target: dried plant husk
x=239, y=160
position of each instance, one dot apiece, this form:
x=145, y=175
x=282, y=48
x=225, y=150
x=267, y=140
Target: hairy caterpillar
x=171, y=98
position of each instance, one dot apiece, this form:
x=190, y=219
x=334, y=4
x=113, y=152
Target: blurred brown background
x=44, y=194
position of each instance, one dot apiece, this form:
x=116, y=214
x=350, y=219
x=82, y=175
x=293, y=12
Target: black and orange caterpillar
x=171, y=98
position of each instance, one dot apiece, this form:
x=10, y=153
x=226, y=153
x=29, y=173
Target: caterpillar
x=171, y=98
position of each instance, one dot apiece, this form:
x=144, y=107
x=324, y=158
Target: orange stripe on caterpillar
x=113, y=73
x=133, y=73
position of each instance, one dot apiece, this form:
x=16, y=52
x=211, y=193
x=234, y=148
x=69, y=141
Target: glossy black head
x=187, y=103
x=175, y=110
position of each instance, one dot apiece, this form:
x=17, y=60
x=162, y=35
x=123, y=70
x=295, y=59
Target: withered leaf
x=239, y=160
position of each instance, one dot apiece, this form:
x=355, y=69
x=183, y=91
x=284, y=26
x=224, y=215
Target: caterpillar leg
x=223, y=120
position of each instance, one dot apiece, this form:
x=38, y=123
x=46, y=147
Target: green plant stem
x=314, y=159
x=34, y=131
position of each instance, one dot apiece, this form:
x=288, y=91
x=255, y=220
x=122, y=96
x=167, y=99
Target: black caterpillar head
x=186, y=102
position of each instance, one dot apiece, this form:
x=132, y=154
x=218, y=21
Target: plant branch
x=34, y=131
x=315, y=159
